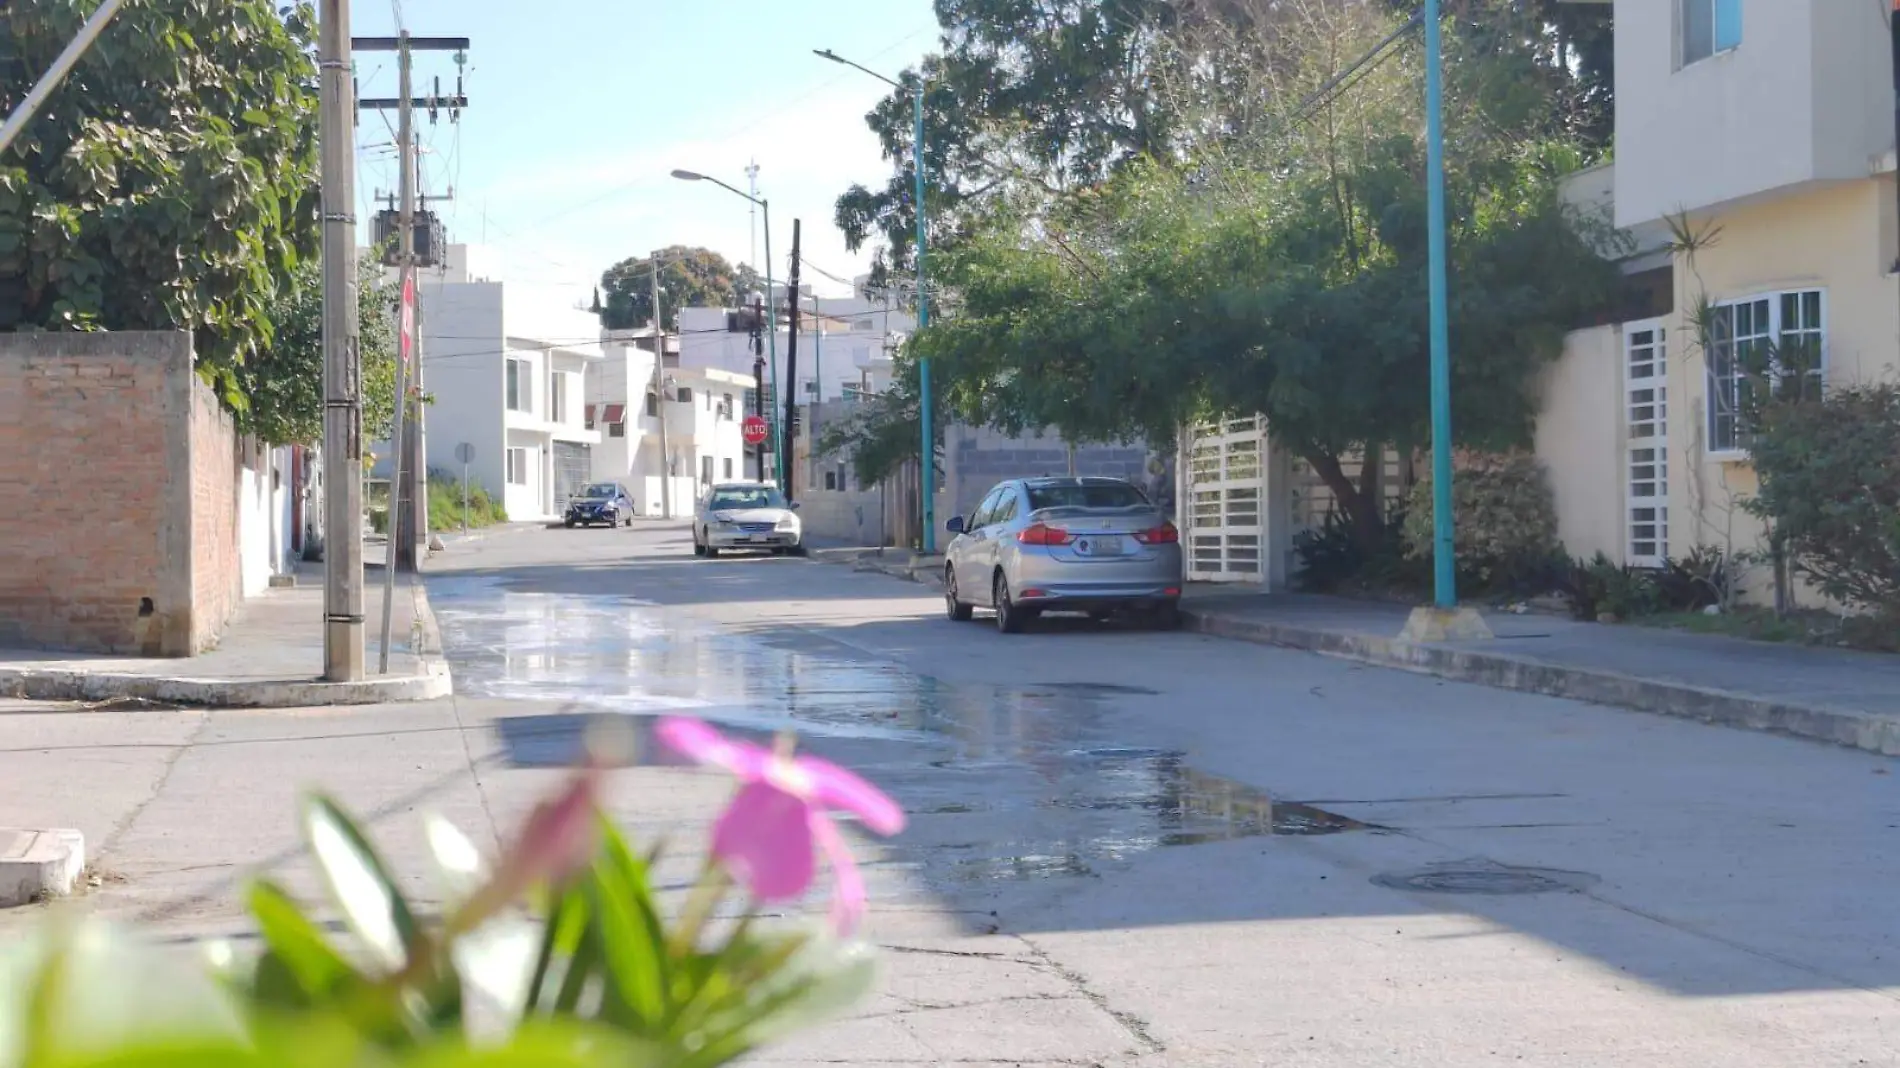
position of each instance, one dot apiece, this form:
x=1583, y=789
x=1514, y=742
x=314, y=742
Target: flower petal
x=765, y=840
x=845, y=790
x=847, y=892
x=695, y=740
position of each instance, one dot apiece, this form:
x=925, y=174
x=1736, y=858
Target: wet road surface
x=1246, y=855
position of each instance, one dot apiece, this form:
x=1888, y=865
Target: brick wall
x=217, y=576
x=114, y=536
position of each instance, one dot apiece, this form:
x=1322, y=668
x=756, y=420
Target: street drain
x=1486, y=878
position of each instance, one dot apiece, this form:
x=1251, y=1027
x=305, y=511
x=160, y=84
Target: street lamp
x=771, y=332
x=927, y=465
x=1445, y=575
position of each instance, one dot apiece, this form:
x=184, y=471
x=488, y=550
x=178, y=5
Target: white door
x=1646, y=419
x=1226, y=501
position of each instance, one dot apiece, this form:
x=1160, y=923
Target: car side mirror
x=796, y=505
x=955, y=524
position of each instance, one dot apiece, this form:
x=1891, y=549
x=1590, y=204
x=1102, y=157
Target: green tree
x=283, y=383
x=1279, y=268
x=170, y=181
x=1036, y=97
x=689, y=278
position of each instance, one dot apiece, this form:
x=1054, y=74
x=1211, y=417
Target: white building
x=702, y=412
x=843, y=344
x=507, y=365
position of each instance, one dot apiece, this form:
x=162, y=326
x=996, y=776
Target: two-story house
x=507, y=365
x=678, y=432
x=1754, y=168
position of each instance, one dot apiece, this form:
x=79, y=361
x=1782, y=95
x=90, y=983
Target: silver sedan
x=746, y=515
x=1094, y=545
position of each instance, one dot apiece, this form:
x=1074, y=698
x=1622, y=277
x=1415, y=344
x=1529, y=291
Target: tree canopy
x=1276, y=264
x=689, y=278
x=283, y=382
x=1028, y=101
x=169, y=182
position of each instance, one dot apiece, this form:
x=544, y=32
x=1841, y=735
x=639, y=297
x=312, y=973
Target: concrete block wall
x=118, y=528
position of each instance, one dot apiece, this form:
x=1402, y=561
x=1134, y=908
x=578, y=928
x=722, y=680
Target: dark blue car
x=601, y=502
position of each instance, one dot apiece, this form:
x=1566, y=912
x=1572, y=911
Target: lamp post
x=771, y=329
x=1444, y=572
x=927, y=463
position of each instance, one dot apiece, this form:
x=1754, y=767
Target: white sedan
x=746, y=515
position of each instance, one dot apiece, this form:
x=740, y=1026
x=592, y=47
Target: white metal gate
x=1226, y=491
x=1646, y=417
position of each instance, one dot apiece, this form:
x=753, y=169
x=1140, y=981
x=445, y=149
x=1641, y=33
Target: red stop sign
x=753, y=429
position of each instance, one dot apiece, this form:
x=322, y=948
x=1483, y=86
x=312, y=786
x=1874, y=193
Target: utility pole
x=399, y=551
x=659, y=392
x=1444, y=563
x=758, y=378
x=787, y=470
x=343, y=656
x=752, y=184
x=408, y=495
x=818, y=385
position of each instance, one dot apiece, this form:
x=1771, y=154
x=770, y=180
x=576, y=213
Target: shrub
x=1331, y=558
x=1703, y=578
x=1600, y=587
x=1830, y=484
x=1506, y=522
x=445, y=504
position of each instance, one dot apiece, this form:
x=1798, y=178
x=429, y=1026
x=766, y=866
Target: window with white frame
x=557, y=397
x=520, y=386
x=1706, y=27
x=1778, y=335
x=517, y=467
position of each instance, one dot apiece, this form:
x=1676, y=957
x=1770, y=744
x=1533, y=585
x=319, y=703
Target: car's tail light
x=1044, y=534
x=1165, y=534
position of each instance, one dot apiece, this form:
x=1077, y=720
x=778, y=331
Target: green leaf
x=548, y=1044
x=636, y=993
x=296, y=942
x=360, y=884
x=820, y=982
x=457, y=860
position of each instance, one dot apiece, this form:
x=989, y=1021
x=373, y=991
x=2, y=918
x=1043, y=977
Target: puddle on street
x=1004, y=783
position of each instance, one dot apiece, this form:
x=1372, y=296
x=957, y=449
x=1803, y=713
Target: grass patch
x=1800, y=628
x=445, y=505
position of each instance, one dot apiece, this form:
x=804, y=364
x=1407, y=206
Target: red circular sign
x=754, y=430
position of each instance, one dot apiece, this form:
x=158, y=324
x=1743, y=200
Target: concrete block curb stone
x=430, y=681
x=38, y=864
x=1839, y=726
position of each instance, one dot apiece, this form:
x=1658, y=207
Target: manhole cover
x=1482, y=878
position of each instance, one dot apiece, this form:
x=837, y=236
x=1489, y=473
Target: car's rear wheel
x=1009, y=616
x=953, y=606
x=570, y=524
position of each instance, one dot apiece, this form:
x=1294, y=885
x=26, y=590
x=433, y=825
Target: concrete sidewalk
x=1829, y=695
x=270, y=656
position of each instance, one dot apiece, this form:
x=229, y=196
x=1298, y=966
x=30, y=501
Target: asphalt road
x=1127, y=848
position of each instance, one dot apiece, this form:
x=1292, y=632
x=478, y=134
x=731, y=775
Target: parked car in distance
x=1094, y=545
x=746, y=515
x=600, y=502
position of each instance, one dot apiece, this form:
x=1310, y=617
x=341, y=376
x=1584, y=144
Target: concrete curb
x=432, y=680
x=1875, y=734
x=36, y=864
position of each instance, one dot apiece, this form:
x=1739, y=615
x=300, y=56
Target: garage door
x=573, y=469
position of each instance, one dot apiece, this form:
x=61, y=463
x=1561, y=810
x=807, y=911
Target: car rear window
x=1107, y=495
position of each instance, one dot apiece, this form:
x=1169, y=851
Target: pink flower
x=557, y=841
x=767, y=836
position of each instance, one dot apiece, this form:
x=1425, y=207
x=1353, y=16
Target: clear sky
x=579, y=110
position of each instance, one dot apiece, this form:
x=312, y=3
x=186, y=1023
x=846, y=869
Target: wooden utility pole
x=788, y=469
x=343, y=656
x=408, y=501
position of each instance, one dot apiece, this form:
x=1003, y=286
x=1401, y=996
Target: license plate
x=1101, y=546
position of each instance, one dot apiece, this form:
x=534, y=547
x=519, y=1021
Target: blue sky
x=580, y=109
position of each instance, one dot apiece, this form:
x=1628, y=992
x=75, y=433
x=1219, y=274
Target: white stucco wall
x=1806, y=97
